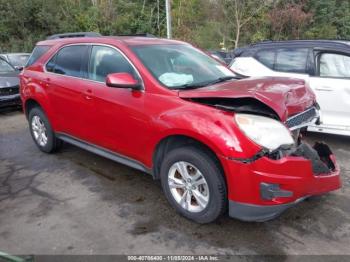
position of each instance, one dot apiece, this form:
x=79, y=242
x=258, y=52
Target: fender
x=218, y=131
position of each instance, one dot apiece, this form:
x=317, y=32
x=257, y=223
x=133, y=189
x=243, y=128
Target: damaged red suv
x=168, y=109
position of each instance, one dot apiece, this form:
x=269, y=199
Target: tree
x=238, y=13
x=289, y=20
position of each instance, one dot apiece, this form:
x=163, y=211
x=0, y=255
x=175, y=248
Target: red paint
x=133, y=122
x=286, y=96
x=122, y=80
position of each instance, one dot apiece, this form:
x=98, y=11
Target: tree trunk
x=238, y=31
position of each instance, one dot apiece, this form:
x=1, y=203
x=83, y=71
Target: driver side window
x=106, y=60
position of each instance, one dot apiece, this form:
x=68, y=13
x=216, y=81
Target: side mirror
x=123, y=80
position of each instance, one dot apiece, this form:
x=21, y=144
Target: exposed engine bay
x=241, y=105
x=319, y=154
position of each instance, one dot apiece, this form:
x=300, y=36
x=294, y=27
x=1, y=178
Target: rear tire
x=194, y=184
x=41, y=131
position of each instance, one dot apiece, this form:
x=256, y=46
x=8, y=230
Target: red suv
x=168, y=109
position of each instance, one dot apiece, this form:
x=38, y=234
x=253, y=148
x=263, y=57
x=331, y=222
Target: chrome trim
x=87, y=79
x=104, y=152
x=312, y=121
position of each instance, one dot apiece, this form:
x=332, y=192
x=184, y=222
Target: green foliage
x=205, y=23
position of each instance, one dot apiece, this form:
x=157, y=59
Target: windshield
x=5, y=67
x=18, y=60
x=182, y=66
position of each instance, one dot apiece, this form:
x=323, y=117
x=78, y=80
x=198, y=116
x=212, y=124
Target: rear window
x=37, y=53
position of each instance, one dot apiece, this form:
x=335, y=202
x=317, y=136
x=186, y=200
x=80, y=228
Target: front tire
x=194, y=184
x=42, y=132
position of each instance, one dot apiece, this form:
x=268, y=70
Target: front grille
x=302, y=119
x=7, y=91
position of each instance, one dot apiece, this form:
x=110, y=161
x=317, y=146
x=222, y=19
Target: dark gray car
x=17, y=60
x=9, y=85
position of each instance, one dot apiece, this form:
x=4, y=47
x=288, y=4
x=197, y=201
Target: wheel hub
x=188, y=186
x=39, y=131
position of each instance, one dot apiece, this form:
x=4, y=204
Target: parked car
x=168, y=109
x=9, y=85
x=17, y=60
x=224, y=57
x=324, y=64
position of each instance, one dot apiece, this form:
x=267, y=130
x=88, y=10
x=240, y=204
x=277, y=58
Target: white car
x=323, y=64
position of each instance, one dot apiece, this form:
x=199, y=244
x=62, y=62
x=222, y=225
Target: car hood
x=286, y=96
x=9, y=79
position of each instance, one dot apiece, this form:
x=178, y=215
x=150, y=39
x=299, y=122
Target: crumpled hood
x=9, y=79
x=286, y=96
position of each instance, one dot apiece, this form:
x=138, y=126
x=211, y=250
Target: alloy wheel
x=188, y=186
x=39, y=131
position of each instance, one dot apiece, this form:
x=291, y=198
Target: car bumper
x=263, y=189
x=258, y=213
x=10, y=100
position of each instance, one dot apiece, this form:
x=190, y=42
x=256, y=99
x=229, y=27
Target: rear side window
x=266, y=57
x=69, y=61
x=292, y=60
x=37, y=53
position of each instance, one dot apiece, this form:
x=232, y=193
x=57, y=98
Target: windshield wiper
x=204, y=84
x=222, y=79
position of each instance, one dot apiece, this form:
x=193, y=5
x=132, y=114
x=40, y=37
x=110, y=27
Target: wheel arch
x=30, y=104
x=171, y=142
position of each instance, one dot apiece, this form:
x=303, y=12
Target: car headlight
x=264, y=131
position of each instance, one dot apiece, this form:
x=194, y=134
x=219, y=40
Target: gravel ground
x=75, y=202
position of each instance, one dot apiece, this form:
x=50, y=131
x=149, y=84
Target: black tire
x=53, y=143
x=208, y=166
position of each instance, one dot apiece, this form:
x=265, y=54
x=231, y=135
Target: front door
x=121, y=122
x=332, y=89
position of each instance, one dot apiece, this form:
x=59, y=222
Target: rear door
x=332, y=88
x=66, y=86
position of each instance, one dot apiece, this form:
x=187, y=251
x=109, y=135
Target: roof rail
x=75, y=34
x=324, y=41
x=139, y=34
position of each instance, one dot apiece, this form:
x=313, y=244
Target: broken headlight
x=264, y=131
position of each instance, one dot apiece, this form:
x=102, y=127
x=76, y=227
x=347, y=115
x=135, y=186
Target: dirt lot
x=75, y=202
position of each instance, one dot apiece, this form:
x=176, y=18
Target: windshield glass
x=18, y=60
x=181, y=66
x=5, y=67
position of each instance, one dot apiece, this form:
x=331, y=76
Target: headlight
x=264, y=131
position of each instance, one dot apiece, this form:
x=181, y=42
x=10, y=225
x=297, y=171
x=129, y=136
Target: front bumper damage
x=268, y=184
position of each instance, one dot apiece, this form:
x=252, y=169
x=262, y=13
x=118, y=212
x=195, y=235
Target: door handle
x=88, y=94
x=324, y=88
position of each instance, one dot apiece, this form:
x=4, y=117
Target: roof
x=127, y=40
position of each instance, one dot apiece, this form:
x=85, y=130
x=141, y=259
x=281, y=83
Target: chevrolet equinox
x=166, y=108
